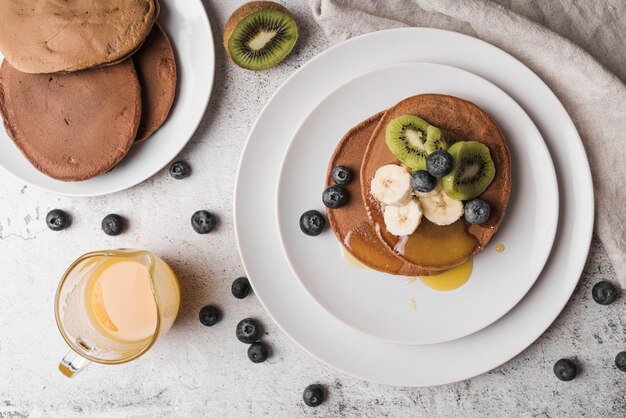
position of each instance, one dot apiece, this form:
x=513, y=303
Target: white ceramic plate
x=187, y=26
x=340, y=345
x=374, y=302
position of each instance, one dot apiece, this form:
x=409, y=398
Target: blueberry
x=423, y=182
x=604, y=292
x=57, y=220
x=248, y=331
x=439, y=163
x=313, y=395
x=203, y=221
x=335, y=197
x=620, y=361
x=180, y=170
x=477, y=211
x=209, y=315
x=565, y=369
x=113, y=224
x=257, y=352
x=312, y=223
x=240, y=287
x=341, y=175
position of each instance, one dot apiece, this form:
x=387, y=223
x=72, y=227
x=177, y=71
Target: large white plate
x=374, y=302
x=340, y=345
x=188, y=28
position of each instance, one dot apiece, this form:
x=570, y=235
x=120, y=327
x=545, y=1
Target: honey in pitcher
x=120, y=302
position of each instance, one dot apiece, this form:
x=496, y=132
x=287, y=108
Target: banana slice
x=391, y=185
x=403, y=220
x=441, y=209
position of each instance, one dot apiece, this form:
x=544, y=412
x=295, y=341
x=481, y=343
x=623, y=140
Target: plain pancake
x=46, y=36
x=156, y=69
x=350, y=223
x=72, y=126
x=466, y=122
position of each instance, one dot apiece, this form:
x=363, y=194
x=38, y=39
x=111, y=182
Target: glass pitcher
x=111, y=307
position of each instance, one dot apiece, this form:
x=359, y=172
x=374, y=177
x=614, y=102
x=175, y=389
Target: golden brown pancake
x=156, y=69
x=433, y=246
x=72, y=126
x=350, y=223
x=48, y=36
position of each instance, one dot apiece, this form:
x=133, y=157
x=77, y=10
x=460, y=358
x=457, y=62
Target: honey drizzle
x=435, y=246
x=451, y=279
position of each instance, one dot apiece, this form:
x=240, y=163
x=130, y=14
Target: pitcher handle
x=72, y=363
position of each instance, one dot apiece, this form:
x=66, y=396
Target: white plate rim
x=585, y=231
x=174, y=152
x=550, y=234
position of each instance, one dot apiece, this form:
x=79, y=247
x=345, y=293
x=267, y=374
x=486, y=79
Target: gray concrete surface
x=199, y=371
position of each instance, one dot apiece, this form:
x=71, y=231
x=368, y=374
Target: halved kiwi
x=437, y=139
x=406, y=138
x=472, y=172
x=259, y=35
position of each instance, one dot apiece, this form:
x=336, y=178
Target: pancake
x=156, y=69
x=72, y=126
x=45, y=36
x=350, y=223
x=433, y=246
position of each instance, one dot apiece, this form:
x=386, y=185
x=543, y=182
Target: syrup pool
x=451, y=279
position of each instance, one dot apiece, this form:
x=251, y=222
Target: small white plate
x=376, y=303
x=340, y=345
x=188, y=28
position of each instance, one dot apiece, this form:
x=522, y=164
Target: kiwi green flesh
x=262, y=39
x=472, y=173
x=406, y=138
x=436, y=139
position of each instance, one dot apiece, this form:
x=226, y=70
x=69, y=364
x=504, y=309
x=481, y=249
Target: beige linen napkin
x=588, y=81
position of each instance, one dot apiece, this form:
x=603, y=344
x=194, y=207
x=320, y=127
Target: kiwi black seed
x=437, y=139
x=259, y=35
x=406, y=139
x=472, y=172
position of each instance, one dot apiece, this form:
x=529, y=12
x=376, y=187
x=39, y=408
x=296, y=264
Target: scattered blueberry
x=240, y=287
x=113, y=224
x=477, y=211
x=423, y=182
x=57, y=220
x=203, y=221
x=248, y=331
x=313, y=395
x=335, y=197
x=209, y=315
x=341, y=175
x=312, y=223
x=180, y=170
x=620, y=361
x=439, y=163
x=565, y=369
x=257, y=352
x=604, y=292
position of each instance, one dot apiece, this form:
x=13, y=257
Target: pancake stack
x=360, y=225
x=82, y=80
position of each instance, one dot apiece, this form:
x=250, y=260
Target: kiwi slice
x=259, y=35
x=406, y=139
x=472, y=172
x=437, y=139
